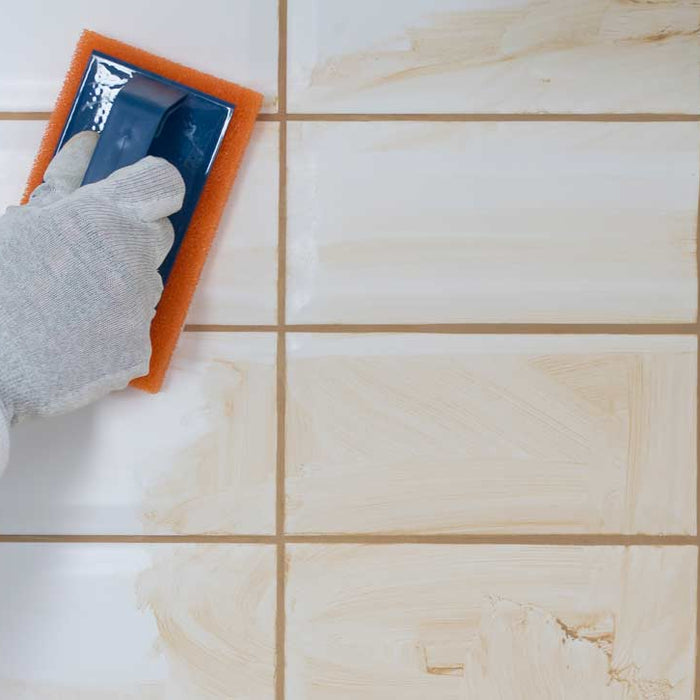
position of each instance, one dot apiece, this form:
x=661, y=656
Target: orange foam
x=172, y=309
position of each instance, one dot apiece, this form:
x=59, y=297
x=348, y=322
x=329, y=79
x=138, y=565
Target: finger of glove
x=145, y=256
x=66, y=171
x=163, y=237
x=145, y=246
x=149, y=190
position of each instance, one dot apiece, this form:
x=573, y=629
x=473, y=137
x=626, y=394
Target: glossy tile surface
x=98, y=621
x=451, y=622
x=568, y=56
x=491, y=434
x=199, y=457
x=239, y=281
x=492, y=222
x=236, y=41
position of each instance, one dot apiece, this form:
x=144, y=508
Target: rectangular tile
x=450, y=622
x=491, y=434
x=570, y=56
x=239, y=281
x=235, y=41
x=199, y=457
x=98, y=621
x=492, y=222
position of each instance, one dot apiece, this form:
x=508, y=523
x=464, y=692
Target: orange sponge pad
x=172, y=309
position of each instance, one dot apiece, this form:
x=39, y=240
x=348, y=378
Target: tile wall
x=431, y=429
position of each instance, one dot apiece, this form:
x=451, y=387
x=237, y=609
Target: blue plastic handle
x=149, y=115
x=136, y=117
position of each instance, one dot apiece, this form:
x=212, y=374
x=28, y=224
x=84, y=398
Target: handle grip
x=135, y=119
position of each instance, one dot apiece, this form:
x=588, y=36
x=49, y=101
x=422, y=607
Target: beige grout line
x=145, y=539
x=218, y=328
x=459, y=328
x=506, y=328
x=281, y=116
x=552, y=539
x=24, y=116
x=280, y=615
x=493, y=117
x=42, y=116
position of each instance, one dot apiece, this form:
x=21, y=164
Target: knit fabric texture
x=79, y=283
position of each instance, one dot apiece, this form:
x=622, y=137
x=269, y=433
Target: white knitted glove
x=79, y=283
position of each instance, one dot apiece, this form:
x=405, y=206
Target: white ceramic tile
x=233, y=40
x=494, y=434
x=19, y=142
x=199, y=457
x=239, y=281
x=577, y=56
x=452, y=622
x=108, y=621
x=489, y=222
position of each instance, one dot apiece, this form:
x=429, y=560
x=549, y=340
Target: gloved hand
x=79, y=283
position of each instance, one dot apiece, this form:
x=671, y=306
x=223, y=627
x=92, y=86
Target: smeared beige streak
x=376, y=621
x=214, y=607
x=223, y=479
x=456, y=40
x=524, y=653
x=543, y=443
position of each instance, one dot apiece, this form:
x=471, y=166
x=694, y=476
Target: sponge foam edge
x=172, y=308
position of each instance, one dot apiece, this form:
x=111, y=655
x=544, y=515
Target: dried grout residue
x=197, y=458
x=223, y=480
x=214, y=610
x=453, y=40
x=456, y=622
x=523, y=652
x=490, y=434
x=128, y=621
x=518, y=55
